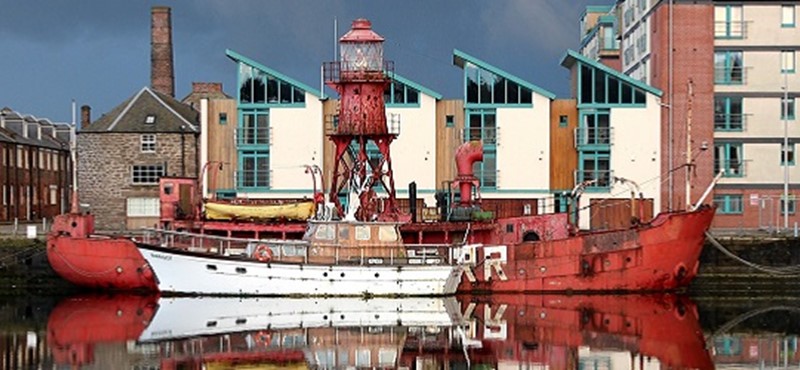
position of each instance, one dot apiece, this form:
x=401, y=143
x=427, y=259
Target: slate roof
x=16, y=123
x=170, y=115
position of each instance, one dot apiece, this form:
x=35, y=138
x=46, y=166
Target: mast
x=689, y=146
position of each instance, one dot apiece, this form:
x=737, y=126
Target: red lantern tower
x=360, y=77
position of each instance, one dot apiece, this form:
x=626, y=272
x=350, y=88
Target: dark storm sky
x=97, y=52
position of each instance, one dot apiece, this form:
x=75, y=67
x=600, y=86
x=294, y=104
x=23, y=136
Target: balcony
x=730, y=122
x=730, y=30
x=592, y=136
x=730, y=75
x=252, y=136
x=733, y=168
x=488, y=136
x=596, y=178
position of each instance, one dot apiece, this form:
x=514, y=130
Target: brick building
x=35, y=167
x=123, y=154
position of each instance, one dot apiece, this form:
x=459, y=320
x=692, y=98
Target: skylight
x=150, y=119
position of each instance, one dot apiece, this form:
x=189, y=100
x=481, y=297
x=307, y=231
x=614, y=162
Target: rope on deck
x=781, y=271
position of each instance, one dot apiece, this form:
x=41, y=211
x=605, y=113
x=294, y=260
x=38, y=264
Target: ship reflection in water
x=515, y=331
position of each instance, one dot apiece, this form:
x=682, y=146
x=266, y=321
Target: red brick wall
x=693, y=45
x=763, y=210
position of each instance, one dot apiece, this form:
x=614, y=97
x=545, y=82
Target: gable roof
x=170, y=115
x=460, y=58
x=573, y=56
x=416, y=86
x=243, y=59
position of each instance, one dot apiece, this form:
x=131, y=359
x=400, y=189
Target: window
x=728, y=157
x=787, y=155
x=150, y=119
x=5, y=195
x=143, y=207
x=728, y=67
x=563, y=121
x=790, y=205
x=363, y=357
x=254, y=169
x=223, y=118
x=728, y=115
x=398, y=93
x=147, y=174
x=728, y=203
x=253, y=127
x=259, y=87
x=481, y=125
x=485, y=87
x=728, y=23
x=787, y=16
x=595, y=166
x=53, y=195
x=787, y=61
x=600, y=88
x=595, y=129
x=449, y=121
x=148, y=143
x=787, y=108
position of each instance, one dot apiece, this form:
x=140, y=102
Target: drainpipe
x=183, y=152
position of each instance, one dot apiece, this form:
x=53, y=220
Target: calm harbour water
x=480, y=332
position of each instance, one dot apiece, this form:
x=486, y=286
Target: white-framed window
x=143, y=207
x=5, y=196
x=53, y=195
x=148, y=143
x=147, y=174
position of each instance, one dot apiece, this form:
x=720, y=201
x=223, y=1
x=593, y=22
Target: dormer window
x=150, y=119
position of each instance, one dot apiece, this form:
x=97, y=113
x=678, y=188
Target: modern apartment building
x=728, y=72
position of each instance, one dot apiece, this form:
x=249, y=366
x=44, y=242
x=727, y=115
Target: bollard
x=16, y=226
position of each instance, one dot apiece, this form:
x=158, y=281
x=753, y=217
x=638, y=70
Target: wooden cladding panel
x=448, y=138
x=615, y=213
x=330, y=108
x=221, y=142
x=563, y=155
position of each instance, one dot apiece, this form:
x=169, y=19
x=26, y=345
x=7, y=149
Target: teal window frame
x=787, y=110
x=727, y=117
x=729, y=157
x=788, y=55
x=255, y=89
x=398, y=94
x=726, y=70
x=223, y=118
x=730, y=32
x=253, y=132
x=594, y=133
x=479, y=126
x=597, y=88
x=485, y=89
x=793, y=22
x=563, y=121
x=729, y=204
x=449, y=120
x=260, y=179
x=790, y=153
x=601, y=169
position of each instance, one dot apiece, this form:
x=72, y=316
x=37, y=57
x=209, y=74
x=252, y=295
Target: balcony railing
x=730, y=75
x=598, y=178
x=336, y=72
x=733, y=30
x=730, y=122
x=592, y=136
x=733, y=168
x=484, y=135
x=252, y=136
x=252, y=179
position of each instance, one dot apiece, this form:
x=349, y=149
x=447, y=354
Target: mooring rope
x=782, y=271
x=744, y=317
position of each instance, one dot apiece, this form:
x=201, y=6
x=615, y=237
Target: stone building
x=123, y=154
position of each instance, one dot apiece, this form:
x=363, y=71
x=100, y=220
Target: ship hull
x=660, y=256
x=187, y=272
x=99, y=262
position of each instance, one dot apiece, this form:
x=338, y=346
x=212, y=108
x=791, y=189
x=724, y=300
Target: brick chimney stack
x=162, y=77
x=86, y=116
x=207, y=87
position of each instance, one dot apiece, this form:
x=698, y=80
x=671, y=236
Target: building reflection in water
x=515, y=331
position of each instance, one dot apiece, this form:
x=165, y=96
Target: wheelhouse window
x=148, y=143
x=147, y=174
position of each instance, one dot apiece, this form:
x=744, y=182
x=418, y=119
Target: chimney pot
x=162, y=76
x=86, y=116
